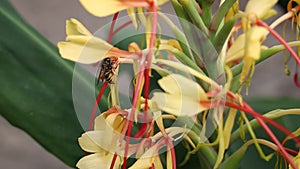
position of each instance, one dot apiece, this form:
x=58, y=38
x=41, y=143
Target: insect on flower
x=107, y=68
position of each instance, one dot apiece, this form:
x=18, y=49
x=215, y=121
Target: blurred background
x=18, y=150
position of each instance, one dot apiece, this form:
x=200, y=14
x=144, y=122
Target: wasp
x=107, y=68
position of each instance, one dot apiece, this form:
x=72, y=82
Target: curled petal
x=116, y=121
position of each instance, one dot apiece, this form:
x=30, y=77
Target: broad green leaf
x=36, y=87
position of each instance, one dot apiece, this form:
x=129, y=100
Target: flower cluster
x=195, y=106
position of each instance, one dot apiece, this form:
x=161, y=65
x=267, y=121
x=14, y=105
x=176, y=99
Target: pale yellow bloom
x=108, y=7
x=103, y=141
x=182, y=96
x=248, y=45
x=81, y=46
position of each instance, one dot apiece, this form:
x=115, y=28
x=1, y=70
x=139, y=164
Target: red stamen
x=112, y=164
x=121, y=27
x=153, y=9
x=143, y=128
x=131, y=115
x=110, y=35
x=296, y=80
x=280, y=39
x=145, y=70
x=274, y=123
x=291, y=151
x=280, y=147
x=92, y=118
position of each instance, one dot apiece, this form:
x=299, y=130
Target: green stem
x=192, y=11
x=206, y=7
x=189, y=32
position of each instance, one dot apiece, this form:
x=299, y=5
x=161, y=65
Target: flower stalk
x=193, y=93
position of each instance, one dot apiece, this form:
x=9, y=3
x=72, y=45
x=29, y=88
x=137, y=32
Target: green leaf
x=234, y=160
x=36, y=87
x=220, y=14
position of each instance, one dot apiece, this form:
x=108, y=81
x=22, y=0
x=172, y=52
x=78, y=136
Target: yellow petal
x=254, y=37
x=98, y=160
x=74, y=27
x=236, y=50
x=269, y=14
x=177, y=105
x=175, y=83
x=296, y=161
x=174, y=43
x=131, y=13
x=169, y=160
x=103, y=7
x=146, y=160
x=182, y=96
x=84, y=49
x=157, y=163
x=87, y=144
x=259, y=7
x=249, y=64
x=108, y=140
x=116, y=121
x=100, y=123
x=230, y=121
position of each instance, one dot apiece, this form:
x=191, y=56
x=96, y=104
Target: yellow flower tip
x=84, y=49
x=74, y=27
x=97, y=8
x=260, y=8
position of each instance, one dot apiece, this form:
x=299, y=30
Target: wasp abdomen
x=107, y=69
